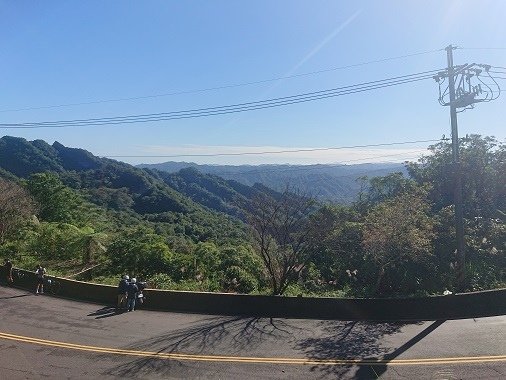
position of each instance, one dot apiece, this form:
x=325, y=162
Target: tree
x=241, y=268
x=57, y=202
x=336, y=243
x=90, y=245
x=398, y=233
x=64, y=241
x=16, y=206
x=281, y=230
x=378, y=189
x=139, y=252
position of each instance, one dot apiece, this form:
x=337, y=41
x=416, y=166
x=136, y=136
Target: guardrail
x=467, y=305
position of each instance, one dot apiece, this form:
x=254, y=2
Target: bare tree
x=16, y=206
x=281, y=228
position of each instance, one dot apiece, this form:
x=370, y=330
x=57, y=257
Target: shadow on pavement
x=362, y=340
x=240, y=336
x=211, y=336
x=106, y=312
x=364, y=372
x=21, y=295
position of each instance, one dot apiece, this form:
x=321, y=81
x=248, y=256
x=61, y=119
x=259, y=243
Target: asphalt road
x=46, y=337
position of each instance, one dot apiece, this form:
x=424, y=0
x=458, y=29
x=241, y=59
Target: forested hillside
x=71, y=211
x=122, y=187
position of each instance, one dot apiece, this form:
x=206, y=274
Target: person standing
x=41, y=274
x=8, y=271
x=132, y=291
x=122, y=292
x=141, y=285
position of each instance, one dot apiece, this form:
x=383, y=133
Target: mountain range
x=335, y=183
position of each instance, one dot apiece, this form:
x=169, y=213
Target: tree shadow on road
x=210, y=336
x=240, y=336
x=359, y=340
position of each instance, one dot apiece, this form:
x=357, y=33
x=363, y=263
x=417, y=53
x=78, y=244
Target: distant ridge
x=336, y=183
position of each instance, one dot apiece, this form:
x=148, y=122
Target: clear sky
x=65, y=52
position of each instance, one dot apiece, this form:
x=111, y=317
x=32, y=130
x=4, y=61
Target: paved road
x=45, y=337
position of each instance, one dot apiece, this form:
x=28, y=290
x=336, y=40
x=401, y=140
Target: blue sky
x=65, y=52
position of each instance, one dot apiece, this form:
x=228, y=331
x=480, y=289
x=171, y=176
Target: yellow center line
x=246, y=359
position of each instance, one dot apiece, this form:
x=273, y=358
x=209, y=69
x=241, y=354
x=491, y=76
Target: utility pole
x=461, y=93
x=457, y=191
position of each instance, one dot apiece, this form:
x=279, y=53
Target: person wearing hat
x=132, y=291
x=122, y=292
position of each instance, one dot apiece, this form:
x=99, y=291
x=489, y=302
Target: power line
x=273, y=152
x=480, y=48
x=225, y=86
x=498, y=72
x=234, y=108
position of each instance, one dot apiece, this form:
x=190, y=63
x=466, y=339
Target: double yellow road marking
x=251, y=360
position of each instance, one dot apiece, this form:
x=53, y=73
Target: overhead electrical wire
x=274, y=152
x=234, y=108
x=481, y=48
x=498, y=72
x=184, y=92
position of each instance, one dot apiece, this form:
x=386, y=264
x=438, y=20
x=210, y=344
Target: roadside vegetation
x=198, y=232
